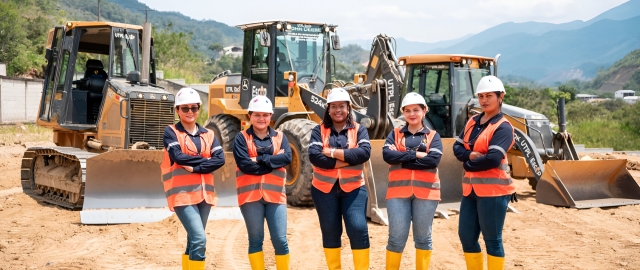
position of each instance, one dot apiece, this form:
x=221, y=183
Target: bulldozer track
x=63, y=156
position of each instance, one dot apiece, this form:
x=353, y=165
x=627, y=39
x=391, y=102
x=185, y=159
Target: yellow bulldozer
x=107, y=115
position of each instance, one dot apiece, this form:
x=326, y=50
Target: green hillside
x=623, y=74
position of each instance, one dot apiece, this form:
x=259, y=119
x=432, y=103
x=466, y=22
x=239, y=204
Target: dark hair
x=498, y=95
x=326, y=119
x=406, y=124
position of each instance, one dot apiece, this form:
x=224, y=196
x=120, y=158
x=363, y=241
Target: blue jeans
x=486, y=215
x=254, y=214
x=402, y=211
x=332, y=207
x=194, y=219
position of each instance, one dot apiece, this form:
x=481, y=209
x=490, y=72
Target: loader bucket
x=225, y=186
x=125, y=186
x=450, y=172
x=587, y=184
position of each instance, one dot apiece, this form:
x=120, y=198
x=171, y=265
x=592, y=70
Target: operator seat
x=95, y=69
x=95, y=86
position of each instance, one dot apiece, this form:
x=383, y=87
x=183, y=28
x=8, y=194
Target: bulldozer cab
x=447, y=83
x=275, y=47
x=81, y=57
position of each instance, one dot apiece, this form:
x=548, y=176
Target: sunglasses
x=187, y=109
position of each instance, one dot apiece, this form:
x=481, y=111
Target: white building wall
x=19, y=99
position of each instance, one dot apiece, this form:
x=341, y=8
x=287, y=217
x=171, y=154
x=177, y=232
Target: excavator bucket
x=450, y=172
x=124, y=186
x=587, y=184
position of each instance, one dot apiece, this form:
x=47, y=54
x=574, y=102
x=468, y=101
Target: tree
x=216, y=48
x=569, y=90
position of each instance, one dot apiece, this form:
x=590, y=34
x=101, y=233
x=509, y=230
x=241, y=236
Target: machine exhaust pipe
x=562, y=120
x=146, y=52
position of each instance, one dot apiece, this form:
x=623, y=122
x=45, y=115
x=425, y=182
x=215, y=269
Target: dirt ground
x=41, y=236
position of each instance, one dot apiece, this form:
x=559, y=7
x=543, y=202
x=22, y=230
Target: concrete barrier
x=19, y=99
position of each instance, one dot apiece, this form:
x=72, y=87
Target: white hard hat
x=187, y=96
x=490, y=84
x=338, y=94
x=413, y=98
x=260, y=104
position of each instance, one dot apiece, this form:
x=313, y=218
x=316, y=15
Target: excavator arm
x=383, y=64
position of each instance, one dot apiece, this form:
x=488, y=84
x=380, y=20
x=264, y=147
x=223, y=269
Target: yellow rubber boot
x=333, y=258
x=474, y=261
x=393, y=260
x=423, y=258
x=361, y=259
x=282, y=262
x=495, y=263
x=196, y=265
x=185, y=262
x=257, y=260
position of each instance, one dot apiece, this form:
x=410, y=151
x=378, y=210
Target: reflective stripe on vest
x=270, y=186
x=351, y=177
x=424, y=184
x=180, y=186
x=493, y=182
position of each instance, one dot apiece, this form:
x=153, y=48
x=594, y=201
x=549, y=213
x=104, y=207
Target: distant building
x=625, y=93
x=586, y=97
x=631, y=99
x=234, y=51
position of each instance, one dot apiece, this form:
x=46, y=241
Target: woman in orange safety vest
x=338, y=149
x=487, y=186
x=261, y=153
x=413, y=153
x=191, y=154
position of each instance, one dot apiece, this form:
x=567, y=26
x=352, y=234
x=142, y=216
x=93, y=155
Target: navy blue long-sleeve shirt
x=414, y=142
x=267, y=161
x=339, y=140
x=499, y=145
x=200, y=165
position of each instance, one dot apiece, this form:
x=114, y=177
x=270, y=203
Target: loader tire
x=225, y=127
x=300, y=171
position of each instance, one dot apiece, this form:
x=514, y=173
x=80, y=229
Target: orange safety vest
x=182, y=187
x=493, y=182
x=351, y=177
x=269, y=186
x=424, y=184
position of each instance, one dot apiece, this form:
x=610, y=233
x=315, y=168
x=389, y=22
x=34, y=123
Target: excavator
x=107, y=115
x=545, y=157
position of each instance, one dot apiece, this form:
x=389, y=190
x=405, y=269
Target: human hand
x=254, y=159
x=475, y=155
x=326, y=152
x=393, y=147
x=188, y=168
x=280, y=152
x=421, y=154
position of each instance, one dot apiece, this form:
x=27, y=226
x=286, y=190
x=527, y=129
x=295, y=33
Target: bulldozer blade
x=587, y=184
x=450, y=172
x=125, y=186
x=225, y=186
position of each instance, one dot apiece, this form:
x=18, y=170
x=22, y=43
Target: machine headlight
x=140, y=95
x=288, y=26
x=464, y=61
x=290, y=77
x=165, y=97
x=279, y=26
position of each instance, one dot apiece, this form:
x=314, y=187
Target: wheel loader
x=291, y=63
x=108, y=117
x=545, y=157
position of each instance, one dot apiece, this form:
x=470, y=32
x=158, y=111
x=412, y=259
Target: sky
x=415, y=20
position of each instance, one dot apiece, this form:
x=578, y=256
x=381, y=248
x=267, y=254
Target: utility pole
x=146, y=14
x=98, y=10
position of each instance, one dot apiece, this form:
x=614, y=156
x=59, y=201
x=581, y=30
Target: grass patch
x=18, y=133
x=600, y=133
